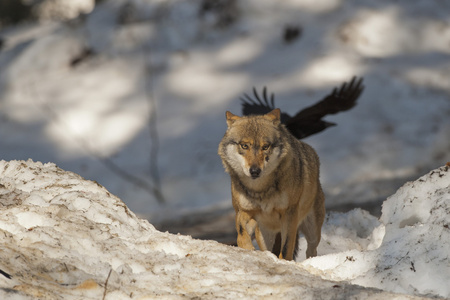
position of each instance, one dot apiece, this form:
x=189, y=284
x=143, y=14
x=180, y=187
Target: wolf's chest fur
x=278, y=201
x=267, y=211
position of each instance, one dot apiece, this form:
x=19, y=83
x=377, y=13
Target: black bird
x=308, y=121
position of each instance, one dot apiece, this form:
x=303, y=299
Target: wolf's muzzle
x=255, y=172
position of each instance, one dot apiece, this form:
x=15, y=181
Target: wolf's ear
x=231, y=118
x=274, y=116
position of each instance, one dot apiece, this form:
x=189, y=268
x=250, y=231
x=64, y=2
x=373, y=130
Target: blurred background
x=133, y=94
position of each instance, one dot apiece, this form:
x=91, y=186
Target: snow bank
x=341, y=232
x=65, y=237
x=413, y=256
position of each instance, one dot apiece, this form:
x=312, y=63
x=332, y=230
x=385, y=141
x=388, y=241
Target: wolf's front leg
x=265, y=238
x=245, y=226
x=289, y=233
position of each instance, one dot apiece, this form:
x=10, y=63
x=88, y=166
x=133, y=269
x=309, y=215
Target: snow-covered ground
x=406, y=251
x=134, y=93
x=63, y=237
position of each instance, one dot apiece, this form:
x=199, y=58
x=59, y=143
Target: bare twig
x=149, y=77
x=5, y=274
x=154, y=137
x=106, y=284
x=152, y=121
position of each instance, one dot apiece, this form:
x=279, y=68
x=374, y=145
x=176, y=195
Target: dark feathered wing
x=309, y=120
x=260, y=105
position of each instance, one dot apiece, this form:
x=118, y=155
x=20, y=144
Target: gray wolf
x=275, y=185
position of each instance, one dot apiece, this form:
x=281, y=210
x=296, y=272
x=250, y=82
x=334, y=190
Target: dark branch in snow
x=154, y=137
x=106, y=284
x=5, y=274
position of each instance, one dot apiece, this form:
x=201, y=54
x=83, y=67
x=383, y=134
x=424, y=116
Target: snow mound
x=413, y=256
x=356, y=229
x=65, y=237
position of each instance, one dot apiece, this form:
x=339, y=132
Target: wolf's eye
x=244, y=146
x=265, y=147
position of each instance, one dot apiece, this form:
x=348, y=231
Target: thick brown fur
x=275, y=185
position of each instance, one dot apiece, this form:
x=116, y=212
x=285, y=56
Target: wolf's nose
x=255, y=172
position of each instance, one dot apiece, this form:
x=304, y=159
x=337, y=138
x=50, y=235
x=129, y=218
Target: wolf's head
x=252, y=146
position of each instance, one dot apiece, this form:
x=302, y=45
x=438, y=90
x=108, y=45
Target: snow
x=146, y=107
x=66, y=237
x=407, y=251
